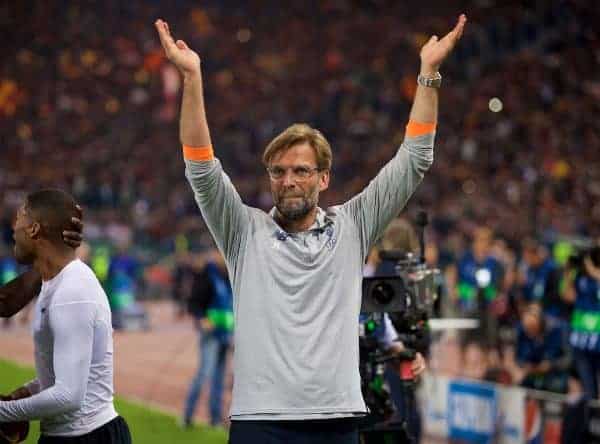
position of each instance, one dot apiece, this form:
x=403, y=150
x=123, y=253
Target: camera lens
x=383, y=293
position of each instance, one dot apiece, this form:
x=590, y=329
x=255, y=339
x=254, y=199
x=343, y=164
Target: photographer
x=583, y=291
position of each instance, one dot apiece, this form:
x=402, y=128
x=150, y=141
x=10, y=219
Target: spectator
x=542, y=351
x=583, y=289
x=8, y=271
x=124, y=274
x=211, y=306
x=475, y=361
x=479, y=281
x=540, y=280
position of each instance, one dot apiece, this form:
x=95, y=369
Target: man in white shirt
x=73, y=392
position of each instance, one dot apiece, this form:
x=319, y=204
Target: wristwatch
x=430, y=82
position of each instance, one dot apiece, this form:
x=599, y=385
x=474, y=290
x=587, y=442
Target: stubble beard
x=296, y=210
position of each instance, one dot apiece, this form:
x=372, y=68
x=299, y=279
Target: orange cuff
x=414, y=129
x=198, y=153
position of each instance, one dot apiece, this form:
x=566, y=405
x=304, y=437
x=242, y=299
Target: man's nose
x=289, y=179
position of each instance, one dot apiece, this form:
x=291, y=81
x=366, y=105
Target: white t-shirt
x=72, y=332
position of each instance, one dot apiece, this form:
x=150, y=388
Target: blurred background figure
x=475, y=361
x=478, y=279
x=123, y=281
x=211, y=307
x=539, y=279
x=542, y=350
x=9, y=269
x=583, y=290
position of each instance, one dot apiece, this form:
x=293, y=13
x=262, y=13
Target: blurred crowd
x=89, y=104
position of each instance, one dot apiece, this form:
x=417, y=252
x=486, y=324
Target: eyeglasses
x=298, y=172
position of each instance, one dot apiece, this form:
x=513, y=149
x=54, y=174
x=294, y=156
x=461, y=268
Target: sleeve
x=381, y=201
x=33, y=386
x=225, y=214
x=72, y=326
x=388, y=333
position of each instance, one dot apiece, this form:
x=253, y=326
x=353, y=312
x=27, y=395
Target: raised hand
x=435, y=51
x=186, y=60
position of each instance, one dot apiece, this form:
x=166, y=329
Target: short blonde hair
x=296, y=134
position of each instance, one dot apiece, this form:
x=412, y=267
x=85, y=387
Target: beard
x=296, y=208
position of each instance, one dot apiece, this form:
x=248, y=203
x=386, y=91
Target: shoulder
x=258, y=217
x=77, y=285
x=336, y=213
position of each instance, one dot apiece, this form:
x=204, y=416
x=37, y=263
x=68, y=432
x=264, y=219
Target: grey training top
x=297, y=295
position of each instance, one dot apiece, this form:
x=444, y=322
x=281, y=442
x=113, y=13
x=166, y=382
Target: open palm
x=435, y=51
x=186, y=60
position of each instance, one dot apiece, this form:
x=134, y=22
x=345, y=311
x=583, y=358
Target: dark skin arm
x=17, y=293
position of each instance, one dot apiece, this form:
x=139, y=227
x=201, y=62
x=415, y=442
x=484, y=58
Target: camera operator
x=582, y=280
x=399, y=236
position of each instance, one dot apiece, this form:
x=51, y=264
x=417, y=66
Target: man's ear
x=324, y=180
x=34, y=230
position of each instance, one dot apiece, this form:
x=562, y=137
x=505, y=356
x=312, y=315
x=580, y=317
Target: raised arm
x=433, y=53
x=193, y=127
x=386, y=195
x=225, y=214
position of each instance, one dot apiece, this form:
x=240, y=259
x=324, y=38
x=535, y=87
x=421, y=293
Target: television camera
x=407, y=298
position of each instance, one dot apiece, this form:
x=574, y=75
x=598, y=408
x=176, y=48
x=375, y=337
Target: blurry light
x=495, y=105
x=104, y=68
x=244, y=35
x=25, y=57
x=112, y=105
x=88, y=58
x=224, y=78
x=469, y=186
x=24, y=131
x=483, y=277
x=141, y=76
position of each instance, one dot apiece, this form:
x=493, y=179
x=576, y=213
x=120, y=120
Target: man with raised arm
x=296, y=271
